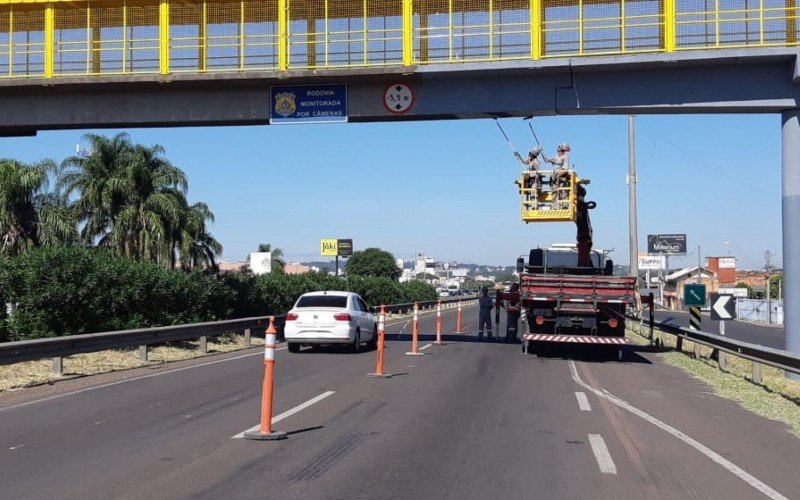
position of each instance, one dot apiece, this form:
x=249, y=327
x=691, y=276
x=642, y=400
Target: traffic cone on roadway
x=379, y=368
x=458, y=319
x=415, y=334
x=265, y=432
x=439, y=324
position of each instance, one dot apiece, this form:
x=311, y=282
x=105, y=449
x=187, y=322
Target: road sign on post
x=694, y=295
x=723, y=307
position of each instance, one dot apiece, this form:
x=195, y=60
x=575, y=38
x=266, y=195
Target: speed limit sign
x=398, y=98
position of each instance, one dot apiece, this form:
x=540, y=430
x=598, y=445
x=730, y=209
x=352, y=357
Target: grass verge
x=31, y=373
x=776, y=398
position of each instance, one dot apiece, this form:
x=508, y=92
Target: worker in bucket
x=560, y=178
x=532, y=181
x=484, y=313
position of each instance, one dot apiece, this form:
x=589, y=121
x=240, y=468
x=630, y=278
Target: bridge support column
x=791, y=229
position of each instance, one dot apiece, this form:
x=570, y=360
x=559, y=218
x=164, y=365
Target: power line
x=715, y=170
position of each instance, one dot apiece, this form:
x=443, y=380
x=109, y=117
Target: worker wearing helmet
x=513, y=312
x=560, y=178
x=532, y=180
x=484, y=313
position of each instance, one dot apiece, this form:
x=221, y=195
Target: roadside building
x=674, y=282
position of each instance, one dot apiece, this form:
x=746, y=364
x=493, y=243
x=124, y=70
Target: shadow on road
x=594, y=353
x=307, y=429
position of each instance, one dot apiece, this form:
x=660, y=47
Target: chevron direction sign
x=723, y=307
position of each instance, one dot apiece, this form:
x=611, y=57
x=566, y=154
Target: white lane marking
x=425, y=347
x=289, y=413
x=17, y=447
x=583, y=401
x=714, y=456
x=143, y=377
x=601, y=454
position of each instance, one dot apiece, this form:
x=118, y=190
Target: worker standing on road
x=484, y=313
x=513, y=312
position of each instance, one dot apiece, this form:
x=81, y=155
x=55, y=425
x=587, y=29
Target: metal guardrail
x=59, y=347
x=28, y=350
x=755, y=353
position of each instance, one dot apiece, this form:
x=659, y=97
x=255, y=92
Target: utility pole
x=632, y=229
x=699, y=265
x=768, y=267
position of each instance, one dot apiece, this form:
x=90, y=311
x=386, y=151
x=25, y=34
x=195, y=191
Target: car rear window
x=322, y=301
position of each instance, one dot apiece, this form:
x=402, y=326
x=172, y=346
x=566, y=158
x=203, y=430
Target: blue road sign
x=308, y=104
x=694, y=295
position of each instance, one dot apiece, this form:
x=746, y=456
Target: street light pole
x=632, y=228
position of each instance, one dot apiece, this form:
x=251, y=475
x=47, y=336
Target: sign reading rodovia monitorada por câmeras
x=308, y=104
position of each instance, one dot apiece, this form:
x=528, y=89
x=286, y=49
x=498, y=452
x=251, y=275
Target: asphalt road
x=769, y=336
x=467, y=420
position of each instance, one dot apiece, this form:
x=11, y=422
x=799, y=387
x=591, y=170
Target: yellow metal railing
x=55, y=38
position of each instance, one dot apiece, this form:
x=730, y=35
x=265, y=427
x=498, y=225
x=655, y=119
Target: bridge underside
x=736, y=81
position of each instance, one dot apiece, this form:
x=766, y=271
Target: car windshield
x=322, y=301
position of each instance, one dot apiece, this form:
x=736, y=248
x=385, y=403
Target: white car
x=321, y=318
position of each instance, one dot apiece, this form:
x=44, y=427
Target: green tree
x=132, y=199
x=193, y=245
x=775, y=286
x=30, y=215
x=373, y=262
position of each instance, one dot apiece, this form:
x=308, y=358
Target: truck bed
x=565, y=288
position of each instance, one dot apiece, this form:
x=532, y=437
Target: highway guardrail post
x=203, y=345
x=58, y=365
x=381, y=346
x=247, y=338
x=756, y=372
x=143, y=352
x=265, y=432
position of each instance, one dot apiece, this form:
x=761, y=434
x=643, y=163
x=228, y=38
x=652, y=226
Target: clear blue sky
x=445, y=187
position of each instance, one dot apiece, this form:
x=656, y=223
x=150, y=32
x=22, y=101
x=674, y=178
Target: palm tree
x=132, y=199
x=95, y=180
x=29, y=215
x=154, y=194
x=192, y=241
x=276, y=257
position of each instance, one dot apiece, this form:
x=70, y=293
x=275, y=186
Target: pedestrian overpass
x=137, y=63
x=65, y=38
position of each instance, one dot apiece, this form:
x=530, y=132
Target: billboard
x=345, y=247
x=261, y=262
x=666, y=244
x=328, y=247
x=331, y=247
x=651, y=262
x=727, y=263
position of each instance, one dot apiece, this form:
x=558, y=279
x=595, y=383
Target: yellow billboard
x=329, y=247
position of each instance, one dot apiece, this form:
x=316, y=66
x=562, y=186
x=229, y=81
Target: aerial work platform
x=550, y=195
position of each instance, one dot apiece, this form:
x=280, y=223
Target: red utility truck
x=568, y=292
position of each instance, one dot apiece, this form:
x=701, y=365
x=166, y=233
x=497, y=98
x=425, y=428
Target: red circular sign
x=398, y=98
